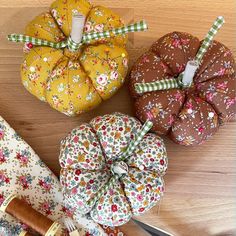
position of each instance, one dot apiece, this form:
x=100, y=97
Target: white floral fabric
x=87, y=156
x=23, y=173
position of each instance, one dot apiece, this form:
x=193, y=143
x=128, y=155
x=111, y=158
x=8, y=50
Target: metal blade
x=152, y=230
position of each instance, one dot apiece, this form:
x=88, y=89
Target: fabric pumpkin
x=87, y=156
x=189, y=115
x=73, y=83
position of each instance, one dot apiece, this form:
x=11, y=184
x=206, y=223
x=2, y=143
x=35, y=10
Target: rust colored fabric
x=188, y=116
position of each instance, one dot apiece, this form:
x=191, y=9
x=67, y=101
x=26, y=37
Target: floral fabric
x=73, y=83
x=191, y=115
x=23, y=173
x=86, y=157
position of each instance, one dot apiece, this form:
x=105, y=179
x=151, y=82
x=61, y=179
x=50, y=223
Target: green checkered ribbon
x=20, y=38
x=121, y=163
x=209, y=38
x=158, y=85
x=87, y=38
x=177, y=82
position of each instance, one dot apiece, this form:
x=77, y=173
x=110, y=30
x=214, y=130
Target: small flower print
x=141, y=209
x=102, y=79
x=139, y=197
x=114, y=208
x=179, y=67
x=89, y=96
x=33, y=76
x=179, y=97
x=112, y=64
x=88, y=27
x=125, y=62
x=23, y=157
x=46, y=184
x=98, y=12
x=99, y=28
x=76, y=78
x=162, y=162
x=68, y=211
x=59, y=21
x=229, y=102
x=24, y=181
x=4, y=179
x=61, y=87
x=56, y=101
x=176, y=43
x=4, y=154
x=54, y=13
x=2, y=199
x=222, y=86
x=200, y=130
x=220, y=72
x=114, y=75
x=171, y=120
x=210, y=96
x=157, y=109
x=48, y=206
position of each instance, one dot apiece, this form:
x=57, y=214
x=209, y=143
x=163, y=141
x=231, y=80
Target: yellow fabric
x=62, y=11
x=73, y=83
x=44, y=27
x=71, y=91
x=95, y=21
x=108, y=61
x=36, y=68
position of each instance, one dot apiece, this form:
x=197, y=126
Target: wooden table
x=200, y=183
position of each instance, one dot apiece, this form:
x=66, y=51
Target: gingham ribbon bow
x=177, y=82
x=120, y=168
x=87, y=38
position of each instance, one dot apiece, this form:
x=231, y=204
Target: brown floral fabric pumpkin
x=188, y=115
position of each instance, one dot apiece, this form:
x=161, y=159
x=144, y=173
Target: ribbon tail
x=139, y=136
x=136, y=27
x=20, y=38
x=158, y=85
x=218, y=23
x=103, y=190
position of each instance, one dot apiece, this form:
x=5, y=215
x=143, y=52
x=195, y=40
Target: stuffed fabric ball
x=188, y=115
x=74, y=82
x=112, y=168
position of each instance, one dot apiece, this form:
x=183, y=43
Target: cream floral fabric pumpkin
x=92, y=153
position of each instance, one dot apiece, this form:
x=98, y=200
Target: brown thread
x=29, y=216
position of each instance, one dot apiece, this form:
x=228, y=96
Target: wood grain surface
x=200, y=182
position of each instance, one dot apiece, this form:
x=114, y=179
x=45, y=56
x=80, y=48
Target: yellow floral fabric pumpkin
x=74, y=82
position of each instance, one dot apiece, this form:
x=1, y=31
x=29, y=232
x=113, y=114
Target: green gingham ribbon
x=109, y=185
x=209, y=38
x=20, y=38
x=177, y=82
x=158, y=85
x=87, y=38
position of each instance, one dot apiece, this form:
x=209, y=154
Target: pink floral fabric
x=23, y=173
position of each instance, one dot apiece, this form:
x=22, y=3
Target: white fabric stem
x=77, y=27
x=189, y=72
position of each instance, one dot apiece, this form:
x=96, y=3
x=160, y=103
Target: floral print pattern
x=23, y=173
x=192, y=115
x=87, y=156
x=73, y=83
